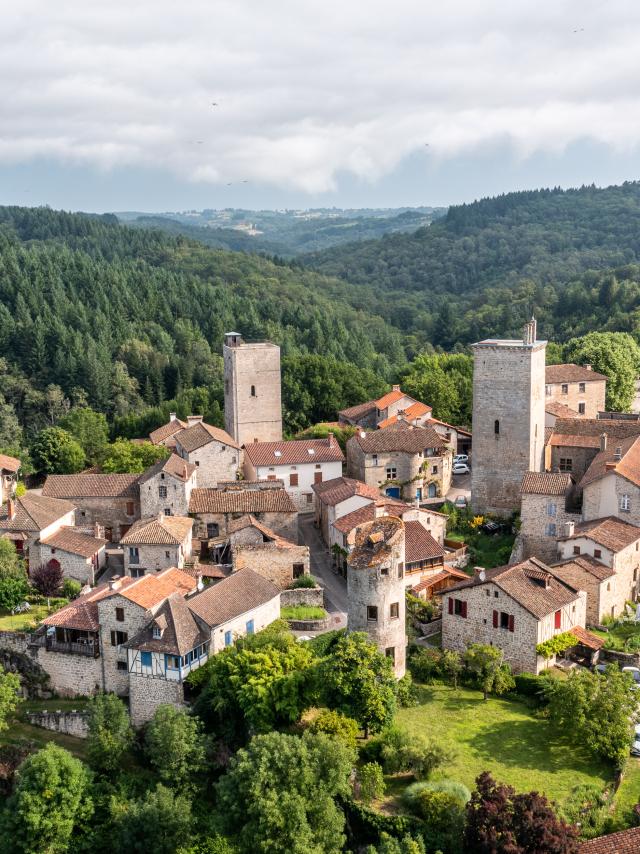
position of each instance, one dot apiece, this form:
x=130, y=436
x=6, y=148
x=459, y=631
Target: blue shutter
x=146, y=659
x=250, y=627
x=228, y=639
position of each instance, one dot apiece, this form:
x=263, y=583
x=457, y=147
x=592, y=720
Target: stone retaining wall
x=70, y=723
x=313, y=596
x=432, y=628
x=624, y=659
x=18, y=641
x=309, y=625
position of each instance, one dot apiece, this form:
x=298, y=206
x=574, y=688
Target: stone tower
x=252, y=400
x=375, y=587
x=508, y=419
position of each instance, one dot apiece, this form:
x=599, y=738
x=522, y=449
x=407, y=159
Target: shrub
x=587, y=806
x=396, y=750
x=423, y=610
x=443, y=816
x=405, y=693
x=530, y=685
x=303, y=581
x=71, y=588
x=425, y=664
x=456, y=790
x=336, y=724
x=371, y=782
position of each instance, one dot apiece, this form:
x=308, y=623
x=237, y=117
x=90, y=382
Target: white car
x=635, y=673
x=460, y=502
x=460, y=458
x=460, y=468
x=635, y=747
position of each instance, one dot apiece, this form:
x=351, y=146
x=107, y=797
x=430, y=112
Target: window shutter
x=450, y=605
x=511, y=622
x=557, y=619
x=495, y=619
x=113, y=638
x=463, y=611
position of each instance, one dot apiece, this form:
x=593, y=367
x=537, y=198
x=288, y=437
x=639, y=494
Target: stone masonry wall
x=135, y=619
x=283, y=524
x=413, y=472
x=535, y=516
x=154, y=558
x=581, y=459
x=110, y=513
x=271, y=561
x=252, y=417
x=176, y=499
x=70, y=723
x=312, y=596
x=147, y=693
x=73, y=566
x=216, y=462
x=592, y=397
x=72, y=675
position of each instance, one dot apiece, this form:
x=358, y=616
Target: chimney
x=332, y=440
x=588, y=367
x=194, y=419
x=172, y=416
x=379, y=510
x=363, y=435
x=114, y=582
x=161, y=516
x=534, y=329
x=569, y=529
x=618, y=454
x=395, y=388
x=11, y=508
x=603, y=441
x=199, y=582
x=232, y=339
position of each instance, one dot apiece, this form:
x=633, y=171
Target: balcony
x=90, y=648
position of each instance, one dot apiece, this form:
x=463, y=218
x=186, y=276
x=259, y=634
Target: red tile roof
x=168, y=530
x=354, y=413
x=180, y=630
x=166, y=431
x=587, y=638
x=545, y=483
x=390, y=397
x=575, y=568
x=9, y=463
x=419, y=544
x=586, y=432
x=610, y=532
x=173, y=465
x=338, y=489
x=605, y=462
x=200, y=434
x=91, y=486
x=296, y=452
x=571, y=373
x=82, y=613
x=400, y=438
x=443, y=575
x=152, y=589
x=33, y=512
x=208, y=500
x=622, y=842
x=75, y=542
x=364, y=514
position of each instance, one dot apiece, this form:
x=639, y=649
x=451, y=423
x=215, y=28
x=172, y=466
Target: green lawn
x=618, y=635
x=302, y=612
x=627, y=795
x=22, y=622
x=502, y=736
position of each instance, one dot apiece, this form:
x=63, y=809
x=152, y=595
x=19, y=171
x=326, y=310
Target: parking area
x=460, y=485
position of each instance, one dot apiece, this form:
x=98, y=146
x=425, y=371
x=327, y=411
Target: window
x=565, y=388
x=157, y=632
x=250, y=627
x=293, y=478
x=309, y=497
x=552, y=509
x=372, y=613
x=130, y=508
x=566, y=464
x=167, y=511
x=162, y=492
x=394, y=610
x=134, y=554
x=496, y=427
x=551, y=529
x=136, y=572
x=317, y=477
x=197, y=463
x=53, y=551
x=457, y=607
x=434, y=470
x=502, y=620
x=145, y=659
x=213, y=529
x=390, y=652
x=384, y=570
x=582, y=408
x=167, y=555
x=597, y=552
x=495, y=593
x=582, y=387
x=400, y=570
x=557, y=620
x=120, y=615
x=374, y=459
x=298, y=570
x=253, y=391
x=118, y=638
x=121, y=665
x=608, y=586
x=172, y=662
x=228, y=638
x=576, y=550
x=391, y=472
x=625, y=503
x=547, y=390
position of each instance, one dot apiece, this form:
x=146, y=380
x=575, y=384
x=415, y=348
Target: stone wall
x=18, y=641
x=176, y=499
x=252, y=392
x=110, y=513
x=413, y=471
x=155, y=557
x=72, y=675
x=147, y=693
x=603, y=497
x=70, y=723
x=581, y=459
x=73, y=566
x=215, y=461
x=592, y=397
x=312, y=596
x=535, y=516
x=262, y=616
x=283, y=524
x=116, y=678
x=274, y=562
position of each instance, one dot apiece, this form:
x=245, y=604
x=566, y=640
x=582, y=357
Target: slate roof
x=571, y=373
x=75, y=542
x=605, y=462
x=173, y=465
x=9, y=463
x=297, y=452
x=622, y=842
x=400, y=438
x=209, y=500
x=91, y=486
x=238, y=594
x=610, y=532
x=339, y=489
x=181, y=631
x=419, y=544
x=167, y=430
x=525, y=584
x=545, y=483
x=200, y=434
x=167, y=530
x=33, y=512
x=574, y=568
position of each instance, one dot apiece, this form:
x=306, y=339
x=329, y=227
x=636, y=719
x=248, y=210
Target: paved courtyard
x=335, y=587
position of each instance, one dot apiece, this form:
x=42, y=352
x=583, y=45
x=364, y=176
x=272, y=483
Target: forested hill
x=122, y=318
x=485, y=266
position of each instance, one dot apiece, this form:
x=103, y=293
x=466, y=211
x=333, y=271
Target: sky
x=160, y=106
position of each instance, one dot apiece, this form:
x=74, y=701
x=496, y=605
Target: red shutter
x=511, y=622
x=450, y=605
x=293, y=479
x=557, y=619
x=463, y=612
x=495, y=619
x=317, y=477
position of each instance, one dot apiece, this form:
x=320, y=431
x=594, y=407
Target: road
x=460, y=485
x=335, y=587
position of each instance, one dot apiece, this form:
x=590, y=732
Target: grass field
x=502, y=736
x=627, y=795
x=302, y=612
x=22, y=622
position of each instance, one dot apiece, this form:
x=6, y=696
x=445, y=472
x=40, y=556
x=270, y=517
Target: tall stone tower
x=508, y=419
x=252, y=397
x=375, y=587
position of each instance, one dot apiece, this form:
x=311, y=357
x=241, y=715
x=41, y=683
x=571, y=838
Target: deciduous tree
x=56, y=452
x=174, y=745
x=110, y=733
x=485, y=663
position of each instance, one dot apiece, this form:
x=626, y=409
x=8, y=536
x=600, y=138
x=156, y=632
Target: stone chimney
x=479, y=573
x=114, y=582
x=194, y=419
x=618, y=454
x=161, y=516
x=11, y=508
x=603, y=441
x=569, y=529
x=395, y=388
x=529, y=332
x=588, y=367
x=379, y=510
x=172, y=416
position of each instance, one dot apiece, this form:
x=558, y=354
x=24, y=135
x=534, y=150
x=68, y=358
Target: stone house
x=299, y=465
x=574, y=442
x=548, y=500
x=615, y=544
x=32, y=517
x=456, y=438
x=611, y=484
x=337, y=497
x=405, y=462
x=9, y=468
x=166, y=487
x=584, y=572
x=79, y=554
x=165, y=435
x=554, y=410
x=111, y=501
x=513, y=608
x=215, y=453
x=215, y=509
x=254, y=546
x=576, y=386
x=157, y=543
x=376, y=413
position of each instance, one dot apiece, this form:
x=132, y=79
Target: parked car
x=635, y=747
x=600, y=668
x=460, y=458
x=635, y=673
x=460, y=468
x=460, y=502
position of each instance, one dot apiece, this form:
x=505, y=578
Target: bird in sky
x=214, y=103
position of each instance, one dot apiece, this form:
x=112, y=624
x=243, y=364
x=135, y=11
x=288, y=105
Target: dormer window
x=277, y=453
x=311, y=451
x=157, y=632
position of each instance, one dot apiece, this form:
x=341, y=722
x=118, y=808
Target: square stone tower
x=508, y=419
x=252, y=395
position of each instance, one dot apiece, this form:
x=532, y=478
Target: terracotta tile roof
x=586, y=432
x=297, y=452
x=530, y=583
x=605, y=462
x=462, y=430
x=82, y=613
x=400, y=438
x=181, y=632
x=387, y=422
x=571, y=373
x=33, y=512
x=545, y=483
x=390, y=397
x=355, y=413
x=150, y=590
x=560, y=410
x=208, y=500
x=169, y=530
x=173, y=465
x=443, y=575
x=416, y=410
x=91, y=486
x=250, y=521
x=622, y=842
x=575, y=568
x=238, y=594
x=338, y=489
x=75, y=542
x=349, y=521
x=610, y=532
x=200, y=434
x=587, y=638
x=9, y=463
x=166, y=431
x=419, y=544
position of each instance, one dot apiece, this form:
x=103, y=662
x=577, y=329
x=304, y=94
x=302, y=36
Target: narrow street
x=335, y=587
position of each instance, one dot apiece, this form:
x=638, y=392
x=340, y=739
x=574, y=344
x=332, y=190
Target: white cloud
x=308, y=90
